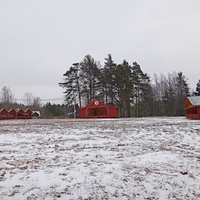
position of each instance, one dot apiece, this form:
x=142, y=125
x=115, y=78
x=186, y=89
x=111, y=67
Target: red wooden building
x=15, y=114
x=192, y=107
x=97, y=109
x=20, y=113
x=28, y=113
x=12, y=113
x=3, y=113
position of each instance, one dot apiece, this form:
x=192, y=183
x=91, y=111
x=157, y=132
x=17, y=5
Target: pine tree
x=89, y=77
x=108, y=80
x=71, y=85
x=124, y=88
x=197, y=92
x=141, y=89
x=182, y=91
x=169, y=101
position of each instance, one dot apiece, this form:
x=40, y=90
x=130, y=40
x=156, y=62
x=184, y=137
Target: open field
x=147, y=158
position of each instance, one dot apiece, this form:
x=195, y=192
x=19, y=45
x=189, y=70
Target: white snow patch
x=115, y=159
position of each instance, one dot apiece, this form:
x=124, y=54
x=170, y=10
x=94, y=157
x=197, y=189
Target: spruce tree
x=124, y=88
x=108, y=80
x=71, y=85
x=141, y=90
x=182, y=91
x=197, y=92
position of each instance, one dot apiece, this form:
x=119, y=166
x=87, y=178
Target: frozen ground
x=124, y=159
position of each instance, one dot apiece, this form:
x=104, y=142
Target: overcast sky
x=40, y=39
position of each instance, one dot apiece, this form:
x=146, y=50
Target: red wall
x=16, y=115
x=193, y=115
x=112, y=112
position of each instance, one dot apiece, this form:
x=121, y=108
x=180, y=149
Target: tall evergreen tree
x=71, y=85
x=89, y=76
x=182, y=91
x=197, y=92
x=169, y=101
x=141, y=85
x=175, y=94
x=147, y=107
x=108, y=80
x=124, y=88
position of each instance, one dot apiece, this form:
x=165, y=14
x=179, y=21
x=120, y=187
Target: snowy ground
x=124, y=159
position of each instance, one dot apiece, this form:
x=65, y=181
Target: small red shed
x=12, y=113
x=28, y=113
x=3, y=113
x=20, y=113
x=97, y=109
x=192, y=107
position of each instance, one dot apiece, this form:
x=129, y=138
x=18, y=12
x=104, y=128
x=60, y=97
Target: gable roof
x=12, y=110
x=19, y=110
x=95, y=104
x=195, y=101
x=3, y=110
x=36, y=113
x=28, y=110
x=192, y=102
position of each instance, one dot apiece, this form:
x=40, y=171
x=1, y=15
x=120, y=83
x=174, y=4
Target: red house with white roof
x=192, y=107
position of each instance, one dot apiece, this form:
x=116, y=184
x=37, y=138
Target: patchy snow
x=147, y=158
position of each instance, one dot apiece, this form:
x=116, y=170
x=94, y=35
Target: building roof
x=195, y=101
x=3, y=110
x=12, y=110
x=96, y=103
x=28, y=110
x=36, y=113
x=19, y=110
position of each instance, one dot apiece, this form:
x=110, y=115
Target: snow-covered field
x=147, y=158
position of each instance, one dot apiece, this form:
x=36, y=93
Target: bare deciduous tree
x=6, y=96
x=36, y=103
x=32, y=101
x=28, y=99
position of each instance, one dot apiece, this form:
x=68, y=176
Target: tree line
x=127, y=87
x=122, y=85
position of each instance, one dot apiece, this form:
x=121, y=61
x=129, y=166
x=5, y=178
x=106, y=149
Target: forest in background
x=123, y=85
x=127, y=87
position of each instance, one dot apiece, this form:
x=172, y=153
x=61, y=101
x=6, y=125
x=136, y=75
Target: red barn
x=97, y=109
x=192, y=107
